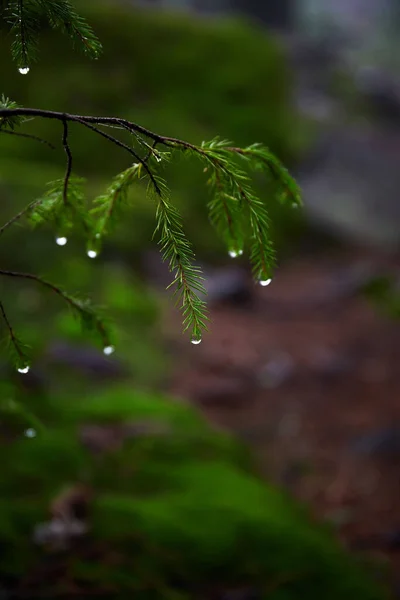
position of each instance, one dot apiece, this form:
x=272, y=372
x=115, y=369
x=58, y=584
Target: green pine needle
x=52, y=208
x=108, y=206
x=178, y=252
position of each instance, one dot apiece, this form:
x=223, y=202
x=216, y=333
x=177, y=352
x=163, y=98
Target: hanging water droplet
x=24, y=369
x=30, y=433
x=92, y=253
x=107, y=350
x=196, y=339
x=265, y=282
x=235, y=253
x=24, y=70
x=61, y=241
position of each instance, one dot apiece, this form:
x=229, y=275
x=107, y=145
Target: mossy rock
x=177, y=513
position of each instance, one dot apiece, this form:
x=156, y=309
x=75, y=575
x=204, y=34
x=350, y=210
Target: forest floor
x=306, y=371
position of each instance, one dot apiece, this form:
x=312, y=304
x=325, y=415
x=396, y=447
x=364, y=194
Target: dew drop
x=235, y=253
x=24, y=70
x=30, y=433
x=107, y=350
x=265, y=282
x=61, y=241
x=24, y=369
x=196, y=339
x=92, y=253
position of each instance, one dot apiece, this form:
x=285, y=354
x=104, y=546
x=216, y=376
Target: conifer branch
x=89, y=318
x=19, y=215
x=177, y=251
x=118, y=142
x=233, y=204
x=17, y=346
x=68, y=171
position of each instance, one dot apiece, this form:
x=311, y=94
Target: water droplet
x=24, y=369
x=61, y=241
x=265, y=282
x=24, y=70
x=235, y=253
x=107, y=350
x=92, y=253
x=196, y=339
x=30, y=433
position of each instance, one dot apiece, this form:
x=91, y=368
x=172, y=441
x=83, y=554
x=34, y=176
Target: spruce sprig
x=108, y=206
x=62, y=15
x=25, y=16
x=177, y=251
x=233, y=207
x=24, y=20
x=54, y=208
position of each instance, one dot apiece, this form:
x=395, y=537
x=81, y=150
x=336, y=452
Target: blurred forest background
x=142, y=473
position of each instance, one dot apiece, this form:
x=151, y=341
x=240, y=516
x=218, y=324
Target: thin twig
x=13, y=338
x=19, y=215
x=128, y=149
x=29, y=136
x=68, y=152
x=70, y=301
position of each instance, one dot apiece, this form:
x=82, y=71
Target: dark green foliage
x=176, y=512
x=25, y=18
x=64, y=203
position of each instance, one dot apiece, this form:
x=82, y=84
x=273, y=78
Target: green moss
x=175, y=513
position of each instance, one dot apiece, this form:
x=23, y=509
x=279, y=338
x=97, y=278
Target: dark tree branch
x=118, y=142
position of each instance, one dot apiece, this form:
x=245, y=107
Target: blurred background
x=299, y=379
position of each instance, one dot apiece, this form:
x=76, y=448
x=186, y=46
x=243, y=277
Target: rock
x=58, y=533
x=350, y=186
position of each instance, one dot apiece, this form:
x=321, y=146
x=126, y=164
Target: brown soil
x=303, y=374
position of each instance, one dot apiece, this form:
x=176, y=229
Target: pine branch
x=108, y=204
x=261, y=158
x=233, y=204
x=16, y=345
x=89, y=317
x=177, y=250
x=62, y=15
x=19, y=215
x=25, y=26
x=25, y=17
x=53, y=207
